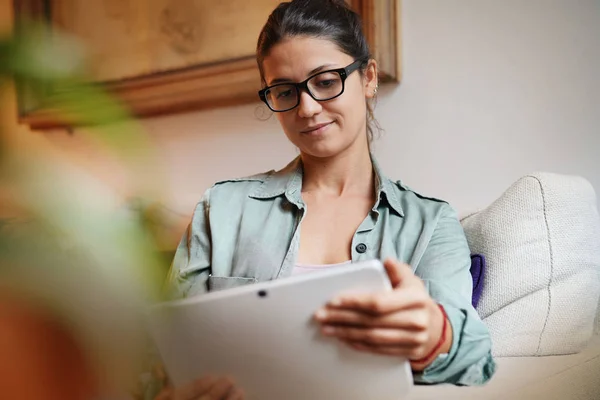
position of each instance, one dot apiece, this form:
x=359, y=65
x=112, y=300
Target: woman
x=333, y=205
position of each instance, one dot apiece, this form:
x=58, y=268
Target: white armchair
x=541, y=292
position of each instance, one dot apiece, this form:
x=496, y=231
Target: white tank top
x=308, y=268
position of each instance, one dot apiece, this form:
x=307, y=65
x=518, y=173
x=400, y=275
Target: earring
x=375, y=90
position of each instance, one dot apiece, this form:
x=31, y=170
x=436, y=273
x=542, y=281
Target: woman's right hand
x=207, y=388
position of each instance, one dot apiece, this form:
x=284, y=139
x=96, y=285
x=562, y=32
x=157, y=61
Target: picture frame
x=224, y=80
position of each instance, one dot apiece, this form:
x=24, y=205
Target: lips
x=314, y=128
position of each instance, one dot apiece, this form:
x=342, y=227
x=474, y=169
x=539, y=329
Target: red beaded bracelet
x=440, y=342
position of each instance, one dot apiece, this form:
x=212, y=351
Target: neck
x=349, y=173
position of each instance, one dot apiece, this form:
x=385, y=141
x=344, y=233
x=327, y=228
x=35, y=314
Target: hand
x=404, y=322
x=207, y=388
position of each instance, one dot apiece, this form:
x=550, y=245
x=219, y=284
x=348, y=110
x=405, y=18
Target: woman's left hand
x=404, y=322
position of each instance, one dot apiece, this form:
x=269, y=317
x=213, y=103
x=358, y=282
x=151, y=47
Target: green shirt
x=248, y=230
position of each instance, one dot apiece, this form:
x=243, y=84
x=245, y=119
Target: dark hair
x=327, y=19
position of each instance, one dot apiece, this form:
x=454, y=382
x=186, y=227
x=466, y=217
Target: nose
x=308, y=106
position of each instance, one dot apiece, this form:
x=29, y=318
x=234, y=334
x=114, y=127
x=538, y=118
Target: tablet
x=264, y=336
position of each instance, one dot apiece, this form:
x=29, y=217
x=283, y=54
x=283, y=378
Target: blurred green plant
x=70, y=245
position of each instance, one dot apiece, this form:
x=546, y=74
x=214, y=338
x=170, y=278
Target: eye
x=283, y=94
x=326, y=83
x=326, y=80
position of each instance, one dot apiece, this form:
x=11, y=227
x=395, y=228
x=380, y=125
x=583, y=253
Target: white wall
x=492, y=90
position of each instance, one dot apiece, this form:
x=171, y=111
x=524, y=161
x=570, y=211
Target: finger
x=377, y=336
x=220, y=389
x=404, y=319
x=395, y=271
x=400, y=274
x=195, y=389
x=382, y=303
x=236, y=394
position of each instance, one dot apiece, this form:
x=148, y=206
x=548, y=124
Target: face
x=321, y=128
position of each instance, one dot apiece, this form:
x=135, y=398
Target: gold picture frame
x=224, y=76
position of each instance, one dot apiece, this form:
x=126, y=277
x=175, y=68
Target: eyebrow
x=314, y=71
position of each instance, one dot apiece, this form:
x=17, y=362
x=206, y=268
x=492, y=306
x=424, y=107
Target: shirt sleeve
x=187, y=276
x=190, y=268
x=445, y=270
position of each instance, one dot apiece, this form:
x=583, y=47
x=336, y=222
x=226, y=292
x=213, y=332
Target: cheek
x=353, y=108
x=285, y=120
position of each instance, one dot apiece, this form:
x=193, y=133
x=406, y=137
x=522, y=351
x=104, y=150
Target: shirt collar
x=387, y=188
x=288, y=182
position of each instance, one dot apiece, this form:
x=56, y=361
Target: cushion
x=541, y=242
x=477, y=273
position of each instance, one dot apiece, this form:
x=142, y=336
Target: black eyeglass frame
x=303, y=86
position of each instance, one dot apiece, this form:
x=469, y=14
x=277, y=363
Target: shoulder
x=409, y=194
x=229, y=194
x=412, y=194
x=264, y=185
x=241, y=183
x=429, y=213
x=237, y=186
x=410, y=200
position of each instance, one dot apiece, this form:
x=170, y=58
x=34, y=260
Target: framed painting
x=169, y=56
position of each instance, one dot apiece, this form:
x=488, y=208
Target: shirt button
x=361, y=248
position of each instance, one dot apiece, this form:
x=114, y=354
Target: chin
x=322, y=150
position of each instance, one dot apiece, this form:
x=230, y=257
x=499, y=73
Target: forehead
x=293, y=58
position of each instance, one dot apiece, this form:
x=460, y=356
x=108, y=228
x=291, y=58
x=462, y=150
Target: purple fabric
x=477, y=273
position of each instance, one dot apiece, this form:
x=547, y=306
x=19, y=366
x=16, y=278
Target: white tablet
x=264, y=336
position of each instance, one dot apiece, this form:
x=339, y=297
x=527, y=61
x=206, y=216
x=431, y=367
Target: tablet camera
x=262, y=293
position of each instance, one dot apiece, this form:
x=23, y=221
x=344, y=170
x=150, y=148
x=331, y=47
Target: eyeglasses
x=323, y=86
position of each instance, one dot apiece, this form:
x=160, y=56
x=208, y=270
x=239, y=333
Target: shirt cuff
x=469, y=360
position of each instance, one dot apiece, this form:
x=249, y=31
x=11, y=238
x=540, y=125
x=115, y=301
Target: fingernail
x=335, y=302
x=321, y=314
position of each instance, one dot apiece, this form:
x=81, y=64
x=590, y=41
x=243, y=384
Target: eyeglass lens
x=323, y=86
